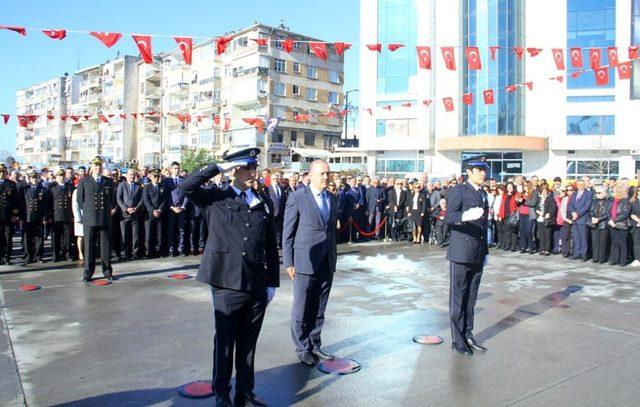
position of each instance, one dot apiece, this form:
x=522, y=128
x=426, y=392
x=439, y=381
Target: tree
x=7, y=158
x=196, y=159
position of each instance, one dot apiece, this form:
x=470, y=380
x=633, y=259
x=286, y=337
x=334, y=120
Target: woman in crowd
x=526, y=202
x=498, y=192
x=332, y=188
x=619, y=226
x=508, y=210
x=559, y=192
x=600, y=212
x=546, y=211
x=567, y=223
x=491, y=192
x=416, y=208
x=77, y=224
x=635, y=226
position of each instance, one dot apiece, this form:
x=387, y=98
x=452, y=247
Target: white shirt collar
x=315, y=192
x=476, y=187
x=251, y=197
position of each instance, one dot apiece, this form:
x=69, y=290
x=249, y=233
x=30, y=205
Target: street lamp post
x=346, y=109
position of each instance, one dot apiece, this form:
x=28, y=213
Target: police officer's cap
x=97, y=160
x=478, y=161
x=248, y=154
x=32, y=174
x=155, y=172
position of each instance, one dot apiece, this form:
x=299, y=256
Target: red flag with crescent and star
x=186, y=46
x=558, y=58
x=488, y=97
x=108, y=39
x=449, y=58
x=143, y=42
x=473, y=58
x=424, y=57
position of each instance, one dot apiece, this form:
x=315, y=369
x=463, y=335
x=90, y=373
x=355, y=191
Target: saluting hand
x=292, y=272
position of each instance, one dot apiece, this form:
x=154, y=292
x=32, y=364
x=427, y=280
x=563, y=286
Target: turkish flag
x=388, y=107
x=186, y=46
x=22, y=121
x=333, y=114
x=519, y=52
x=221, y=44
x=260, y=41
x=341, y=47
x=633, y=52
x=144, y=45
x=473, y=58
x=103, y=118
x=108, y=39
x=319, y=49
x=624, y=70
x=449, y=58
x=602, y=76
x=50, y=117
x=575, y=74
x=216, y=120
x=394, y=47
x=558, y=58
x=123, y=116
x=612, y=54
x=529, y=85
x=576, y=57
x=558, y=78
x=407, y=104
x=370, y=111
x=448, y=104
x=375, y=47
x=19, y=30
x=427, y=102
x=344, y=112
x=467, y=98
x=227, y=123
x=595, y=56
x=63, y=118
x=5, y=118
x=288, y=44
x=493, y=52
x=534, y=51
x=488, y=97
x=75, y=118
x=135, y=115
x=511, y=88
x=424, y=57
x=55, y=34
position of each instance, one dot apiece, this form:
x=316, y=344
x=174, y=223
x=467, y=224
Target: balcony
x=248, y=93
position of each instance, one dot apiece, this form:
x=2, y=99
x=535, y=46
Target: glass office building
x=635, y=40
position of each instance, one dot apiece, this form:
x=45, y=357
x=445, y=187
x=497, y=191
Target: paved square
x=558, y=332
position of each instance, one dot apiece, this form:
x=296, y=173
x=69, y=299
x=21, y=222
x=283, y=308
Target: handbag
x=514, y=219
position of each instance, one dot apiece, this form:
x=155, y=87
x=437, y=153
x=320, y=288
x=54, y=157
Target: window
x=278, y=65
x=312, y=94
x=242, y=41
x=333, y=98
x=206, y=137
x=296, y=67
x=590, y=125
x=278, y=89
x=593, y=168
x=312, y=72
x=276, y=137
x=279, y=111
x=334, y=77
x=294, y=136
x=329, y=141
x=386, y=167
x=296, y=90
x=276, y=159
x=587, y=99
x=396, y=128
x=309, y=139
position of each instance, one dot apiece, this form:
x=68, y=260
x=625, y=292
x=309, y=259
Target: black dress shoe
x=247, y=399
x=111, y=277
x=320, y=354
x=223, y=400
x=86, y=279
x=462, y=350
x=475, y=345
x=307, y=358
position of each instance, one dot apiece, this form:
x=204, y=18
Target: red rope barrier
x=369, y=234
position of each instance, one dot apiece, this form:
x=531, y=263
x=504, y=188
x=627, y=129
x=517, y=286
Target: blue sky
x=35, y=58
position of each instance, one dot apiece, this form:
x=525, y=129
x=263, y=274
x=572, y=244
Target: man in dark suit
x=176, y=214
x=129, y=198
x=9, y=211
x=396, y=202
x=241, y=265
x=309, y=255
x=467, y=217
x=95, y=198
x=35, y=213
x=578, y=208
x=61, y=192
x=279, y=197
x=156, y=201
x=374, y=205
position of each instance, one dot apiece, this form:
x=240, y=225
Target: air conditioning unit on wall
x=635, y=152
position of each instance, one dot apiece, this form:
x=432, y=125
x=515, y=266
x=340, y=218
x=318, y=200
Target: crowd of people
x=151, y=217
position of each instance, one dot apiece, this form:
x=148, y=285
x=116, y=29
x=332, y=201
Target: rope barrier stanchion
x=350, y=230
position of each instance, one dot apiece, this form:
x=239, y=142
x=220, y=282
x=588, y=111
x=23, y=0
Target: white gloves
x=226, y=166
x=486, y=261
x=472, y=214
x=271, y=292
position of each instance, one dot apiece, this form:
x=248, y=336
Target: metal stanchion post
x=350, y=230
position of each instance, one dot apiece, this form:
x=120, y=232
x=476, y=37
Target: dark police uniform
x=240, y=261
x=95, y=198
x=129, y=195
x=35, y=212
x=9, y=209
x=467, y=251
x=156, y=197
x=62, y=219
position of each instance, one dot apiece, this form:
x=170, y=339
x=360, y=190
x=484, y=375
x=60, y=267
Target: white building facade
x=566, y=129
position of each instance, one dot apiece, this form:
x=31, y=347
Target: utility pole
x=346, y=109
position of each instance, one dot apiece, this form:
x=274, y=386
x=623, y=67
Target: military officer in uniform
x=467, y=212
x=95, y=197
x=35, y=214
x=61, y=192
x=156, y=200
x=240, y=263
x=9, y=201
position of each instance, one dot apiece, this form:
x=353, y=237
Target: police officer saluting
x=61, y=193
x=241, y=265
x=8, y=214
x=95, y=197
x=466, y=215
x=34, y=215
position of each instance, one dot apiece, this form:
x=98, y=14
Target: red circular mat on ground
x=339, y=366
x=100, y=282
x=197, y=389
x=180, y=276
x=428, y=340
x=29, y=287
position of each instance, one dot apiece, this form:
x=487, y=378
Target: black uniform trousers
x=178, y=233
x=33, y=240
x=197, y=234
x=61, y=240
x=619, y=246
x=6, y=240
x=545, y=237
x=238, y=317
x=131, y=233
x=310, y=297
x=600, y=244
x=566, y=240
x=116, y=236
x=155, y=236
x=463, y=293
x=90, y=242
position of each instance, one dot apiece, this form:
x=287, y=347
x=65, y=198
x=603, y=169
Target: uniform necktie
x=243, y=195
